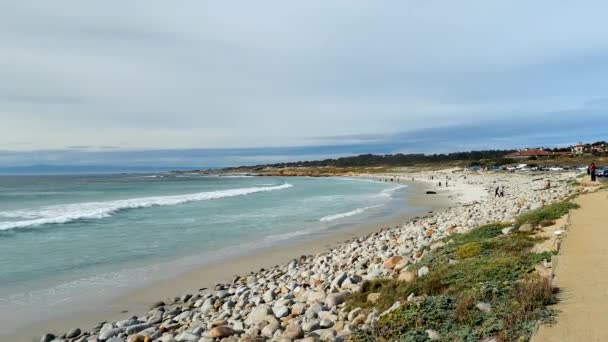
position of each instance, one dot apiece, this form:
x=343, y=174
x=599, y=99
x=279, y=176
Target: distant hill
x=392, y=159
x=84, y=169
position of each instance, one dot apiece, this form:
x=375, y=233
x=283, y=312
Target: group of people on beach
x=500, y=191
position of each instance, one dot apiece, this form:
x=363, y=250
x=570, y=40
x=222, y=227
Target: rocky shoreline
x=303, y=300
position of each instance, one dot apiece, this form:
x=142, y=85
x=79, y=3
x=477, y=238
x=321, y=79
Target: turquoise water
x=65, y=235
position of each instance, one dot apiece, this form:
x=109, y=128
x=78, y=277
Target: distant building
x=598, y=148
x=580, y=148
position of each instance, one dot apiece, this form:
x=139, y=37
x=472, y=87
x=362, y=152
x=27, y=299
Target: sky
x=219, y=83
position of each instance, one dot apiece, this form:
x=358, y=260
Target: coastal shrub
x=469, y=250
x=547, y=223
x=547, y=213
x=482, y=265
x=487, y=231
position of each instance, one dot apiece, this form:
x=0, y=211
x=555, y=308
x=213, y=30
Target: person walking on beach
x=496, y=192
x=502, y=191
x=592, y=171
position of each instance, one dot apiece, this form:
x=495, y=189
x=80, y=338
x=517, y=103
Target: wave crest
x=58, y=214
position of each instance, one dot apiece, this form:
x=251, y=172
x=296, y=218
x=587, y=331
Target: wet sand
x=206, y=276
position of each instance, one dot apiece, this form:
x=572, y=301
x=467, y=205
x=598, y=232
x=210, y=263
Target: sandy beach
x=208, y=275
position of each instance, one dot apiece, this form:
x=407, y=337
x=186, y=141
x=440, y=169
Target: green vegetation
x=481, y=266
x=546, y=214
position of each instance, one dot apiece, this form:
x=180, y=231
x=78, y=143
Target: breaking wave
x=58, y=214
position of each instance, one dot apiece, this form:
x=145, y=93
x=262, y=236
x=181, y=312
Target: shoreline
x=138, y=301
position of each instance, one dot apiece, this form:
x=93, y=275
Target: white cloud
x=147, y=74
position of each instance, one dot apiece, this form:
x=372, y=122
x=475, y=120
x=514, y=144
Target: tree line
x=398, y=159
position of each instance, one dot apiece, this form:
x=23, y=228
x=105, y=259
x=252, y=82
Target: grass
x=546, y=214
x=482, y=265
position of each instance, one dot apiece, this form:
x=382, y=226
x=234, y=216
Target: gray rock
x=324, y=334
x=311, y=325
x=394, y=307
x=293, y=331
x=433, y=335
x=423, y=271
x=221, y=332
x=484, y=307
x=269, y=330
x=437, y=245
x=222, y=294
x=187, y=336
x=354, y=313
x=116, y=339
x=339, y=279
x=47, y=338
x=109, y=333
x=335, y=299
x=268, y=296
x=298, y=309
x=326, y=323
x=137, y=328
x=73, y=333
x=525, y=228
x=258, y=314
x=281, y=312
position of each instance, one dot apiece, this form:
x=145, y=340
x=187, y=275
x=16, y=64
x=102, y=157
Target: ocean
x=63, y=237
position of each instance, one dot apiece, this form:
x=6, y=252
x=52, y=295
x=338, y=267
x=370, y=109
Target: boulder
x=433, y=335
x=133, y=329
x=423, y=271
x=139, y=338
x=373, y=297
x=324, y=334
x=221, y=332
x=437, y=245
x=293, y=331
x=281, y=312
x=407, y=276
x=311, y=325
x=47, y=338
x=187, y=337
x=73, y=333
x=298, y=309
x=354, y=313
x=391, y=262
x=258, y=314
x=401, y=265
x=484, y=307
x=525, y=228
x=335, y=299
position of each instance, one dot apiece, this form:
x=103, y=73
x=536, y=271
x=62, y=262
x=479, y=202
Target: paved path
x=582, y=275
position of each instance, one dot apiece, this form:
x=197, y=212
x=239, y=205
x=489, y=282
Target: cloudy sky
x=230, y=82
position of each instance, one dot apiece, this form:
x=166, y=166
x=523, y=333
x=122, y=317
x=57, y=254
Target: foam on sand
x=347, y=214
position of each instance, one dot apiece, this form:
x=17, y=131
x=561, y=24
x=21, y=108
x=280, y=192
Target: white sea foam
x=347, y=214
x=58, y=214
x=389, y=190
